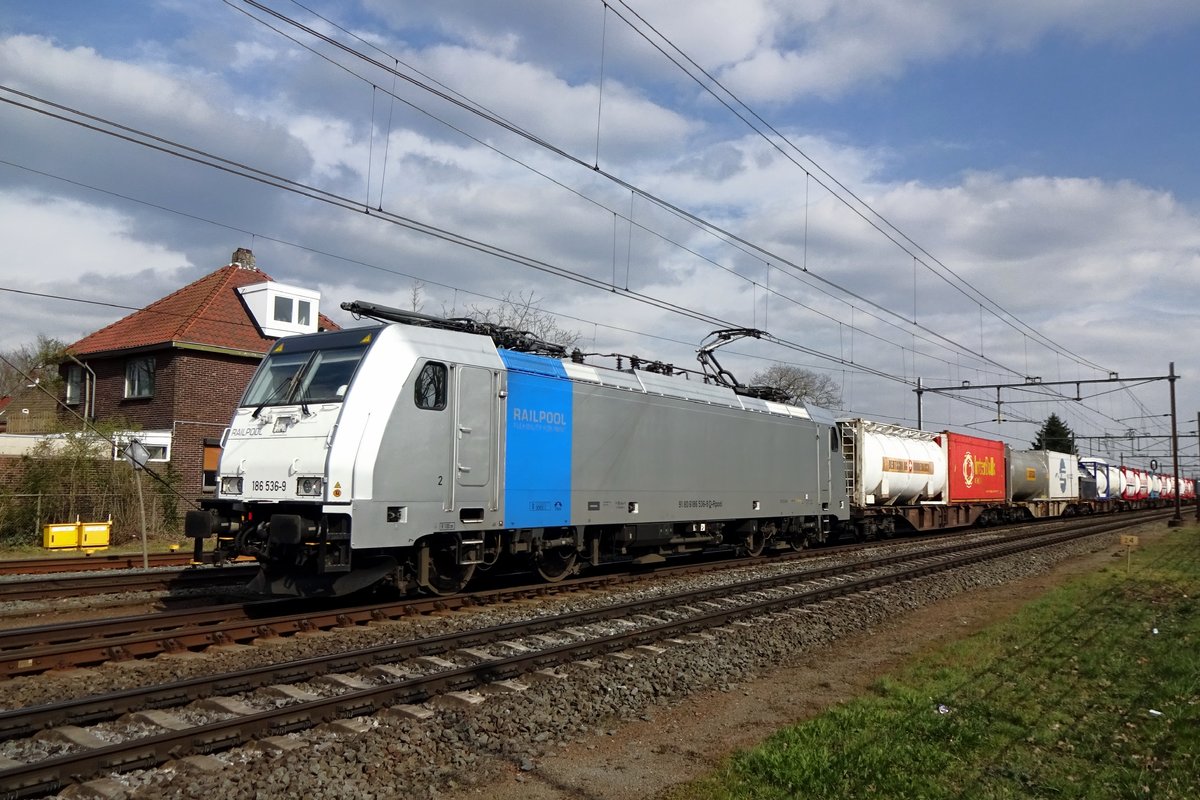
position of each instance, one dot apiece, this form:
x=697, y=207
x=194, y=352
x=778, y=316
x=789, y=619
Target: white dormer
x=282, y=310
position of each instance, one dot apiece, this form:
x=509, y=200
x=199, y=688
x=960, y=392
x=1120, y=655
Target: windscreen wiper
x=287, y=388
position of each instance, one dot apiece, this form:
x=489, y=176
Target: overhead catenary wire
x=512, y=127
x=968, y=289
x=327, y=254
x=963, y=286
x=818, y=283
x=196, y=155
x=790, y=300
x=468, y=103
x=460, y=101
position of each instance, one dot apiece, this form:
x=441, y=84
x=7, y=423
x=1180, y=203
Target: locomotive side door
x=828, y=461
x=823, y=471
x=827, y=441
x=474, y=438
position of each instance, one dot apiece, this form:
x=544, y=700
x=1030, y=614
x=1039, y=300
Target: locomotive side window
x=431, y=387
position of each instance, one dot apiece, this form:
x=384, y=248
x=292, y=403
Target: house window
x=139, y=377
x=303, y=311
x=157, y=448
x=283, y=309
x=74, y=384
x=431, y=387
x=156, y=452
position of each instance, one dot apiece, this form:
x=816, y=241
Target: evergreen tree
x=1055, y=435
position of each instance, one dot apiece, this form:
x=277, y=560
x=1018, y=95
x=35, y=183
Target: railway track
x=394, y=676
x=96, y=561
x=31, y=650
x=51, y=586
x=90, y=642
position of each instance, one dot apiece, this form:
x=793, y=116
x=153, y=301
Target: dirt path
x=642, y=759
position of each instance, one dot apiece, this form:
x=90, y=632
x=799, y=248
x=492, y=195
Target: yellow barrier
x=77, y=535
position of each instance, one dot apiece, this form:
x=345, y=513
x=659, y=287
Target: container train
x=418, y=451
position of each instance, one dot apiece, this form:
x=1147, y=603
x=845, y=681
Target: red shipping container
x=975, y=468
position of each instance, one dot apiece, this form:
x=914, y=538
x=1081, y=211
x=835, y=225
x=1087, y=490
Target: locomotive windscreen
x=301, y=371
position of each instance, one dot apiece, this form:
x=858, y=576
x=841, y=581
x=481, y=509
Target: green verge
x=1093, y=691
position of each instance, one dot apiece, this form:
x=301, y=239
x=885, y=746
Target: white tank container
x=1098, y=468
x=1116, y=482
x=899, y=466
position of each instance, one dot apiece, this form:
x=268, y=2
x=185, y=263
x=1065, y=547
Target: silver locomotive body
x=416, y=455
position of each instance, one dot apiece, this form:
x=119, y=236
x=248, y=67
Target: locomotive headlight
x=310, y=487
x=231, y=485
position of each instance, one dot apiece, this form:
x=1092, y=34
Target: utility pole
x=1177, y=520
x=137, y=455
x=920, y=390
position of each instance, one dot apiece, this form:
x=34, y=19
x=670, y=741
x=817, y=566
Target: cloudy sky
x=950, y=190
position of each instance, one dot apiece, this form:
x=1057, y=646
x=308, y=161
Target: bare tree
x=37, y=360
x=416, y=299
x=523, y=312
x=801, y=384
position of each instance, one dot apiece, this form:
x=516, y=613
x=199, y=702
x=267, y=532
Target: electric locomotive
x=420, y=450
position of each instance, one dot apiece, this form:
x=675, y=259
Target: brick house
x=174, y=371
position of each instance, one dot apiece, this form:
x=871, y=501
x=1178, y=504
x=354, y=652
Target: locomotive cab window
x=307, y=369
x=431, y=387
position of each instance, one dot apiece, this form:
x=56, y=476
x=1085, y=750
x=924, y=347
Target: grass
x=1091, y=692
x=159, y=543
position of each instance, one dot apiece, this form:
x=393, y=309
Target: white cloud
x=556, y=110
x=1055, y=233
x=333, y=144
x=101, y=259
x=80, y=74
x=250, y=55
x=780, y=50
x=101, y=241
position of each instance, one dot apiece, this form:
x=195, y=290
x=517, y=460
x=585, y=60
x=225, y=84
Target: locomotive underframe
x=305, y=552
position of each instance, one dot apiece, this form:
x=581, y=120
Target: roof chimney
x=244, y=257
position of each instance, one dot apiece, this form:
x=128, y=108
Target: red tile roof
x=208, y=312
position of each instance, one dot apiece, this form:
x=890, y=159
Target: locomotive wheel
x=555, y=564
x=446, y=575
x=755, y=543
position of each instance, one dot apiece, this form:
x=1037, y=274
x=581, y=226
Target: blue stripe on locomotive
x=537, y=457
